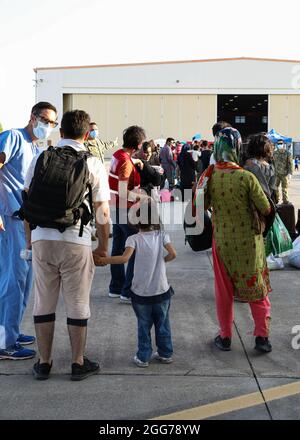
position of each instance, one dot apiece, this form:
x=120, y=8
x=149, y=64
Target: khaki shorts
x=62, y=267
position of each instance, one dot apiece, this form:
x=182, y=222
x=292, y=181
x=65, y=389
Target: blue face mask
x=42, y=131
x=94, y=134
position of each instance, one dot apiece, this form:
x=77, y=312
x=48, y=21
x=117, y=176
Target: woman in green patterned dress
x=238, y=250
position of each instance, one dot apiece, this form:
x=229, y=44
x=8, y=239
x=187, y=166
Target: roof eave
x=212, y=60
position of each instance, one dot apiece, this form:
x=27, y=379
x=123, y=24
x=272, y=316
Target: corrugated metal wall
x=179, y=116
x=284, y=114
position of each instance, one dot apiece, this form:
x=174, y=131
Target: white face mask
x=42, y=131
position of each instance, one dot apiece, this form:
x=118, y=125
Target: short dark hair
x=219, y=126
x=148, y=215
x=145, y=146
x=75, y=124
x=93, y=123
x=259, y=146
x=204, y=144
x=40, y=106
x=169, y=140
x=133, y=136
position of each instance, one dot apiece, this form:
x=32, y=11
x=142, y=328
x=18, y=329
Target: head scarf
x=227, y=145
x=226, y=149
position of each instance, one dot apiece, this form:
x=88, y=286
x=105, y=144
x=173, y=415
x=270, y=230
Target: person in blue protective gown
x=17, y=149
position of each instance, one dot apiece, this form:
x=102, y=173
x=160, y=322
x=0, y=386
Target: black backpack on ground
x=60, y=193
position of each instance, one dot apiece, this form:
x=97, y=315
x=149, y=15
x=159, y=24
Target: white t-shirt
x=196, y=155
x=150, y=277
x=100, y=190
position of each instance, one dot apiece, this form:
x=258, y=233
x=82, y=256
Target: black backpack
x=60, y=193
x=199, y=242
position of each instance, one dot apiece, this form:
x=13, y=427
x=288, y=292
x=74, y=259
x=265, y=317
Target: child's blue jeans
x=147, y=315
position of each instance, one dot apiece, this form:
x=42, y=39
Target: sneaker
x=263, y=344
x=223, y=344
x=80, y=372
x=17, y=353
x=162, y=359
x=140, y=363
x=25, y=339
x=113, y=295
x=125, y=300
x=41, y=371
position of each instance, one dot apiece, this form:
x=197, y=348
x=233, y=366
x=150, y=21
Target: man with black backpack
x=63, y=185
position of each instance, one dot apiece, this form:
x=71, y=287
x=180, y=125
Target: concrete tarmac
x=201, y=376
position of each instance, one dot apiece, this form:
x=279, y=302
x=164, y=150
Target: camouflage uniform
x=283, y=162
x=97, y=147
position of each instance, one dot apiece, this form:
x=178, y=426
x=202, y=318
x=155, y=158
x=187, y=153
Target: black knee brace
x=77, y=322
x=40, y=319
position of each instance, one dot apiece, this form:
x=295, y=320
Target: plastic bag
x=274, y=263
x=294, y=257
x=278, y=241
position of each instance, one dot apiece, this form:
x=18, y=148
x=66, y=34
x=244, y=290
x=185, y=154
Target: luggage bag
x=286, y=212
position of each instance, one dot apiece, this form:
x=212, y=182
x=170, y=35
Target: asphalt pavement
x=240, y=384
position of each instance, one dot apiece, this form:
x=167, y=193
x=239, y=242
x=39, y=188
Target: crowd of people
x=184, y=162
x=56, y=193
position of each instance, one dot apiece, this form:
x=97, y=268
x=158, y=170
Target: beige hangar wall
x=180, y=116
x=284, y=114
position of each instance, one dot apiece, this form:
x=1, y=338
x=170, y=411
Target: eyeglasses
x=46, y=121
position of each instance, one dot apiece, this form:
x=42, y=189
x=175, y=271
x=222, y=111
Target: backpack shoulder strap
x=90, y=201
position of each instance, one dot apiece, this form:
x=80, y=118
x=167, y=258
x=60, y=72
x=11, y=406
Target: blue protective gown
x=15, y=273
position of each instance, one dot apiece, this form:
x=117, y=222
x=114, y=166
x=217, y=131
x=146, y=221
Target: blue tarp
x=275, y=137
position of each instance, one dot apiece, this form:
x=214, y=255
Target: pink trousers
x=224, y=302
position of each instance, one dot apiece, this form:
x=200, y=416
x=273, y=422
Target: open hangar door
x=247, y=113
